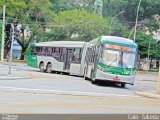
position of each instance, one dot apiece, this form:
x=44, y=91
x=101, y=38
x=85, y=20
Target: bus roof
x=77, y=44
x=118, y=41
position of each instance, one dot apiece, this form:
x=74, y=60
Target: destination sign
x=118, y=47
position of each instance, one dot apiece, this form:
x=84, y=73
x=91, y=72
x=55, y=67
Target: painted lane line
x=76, y=93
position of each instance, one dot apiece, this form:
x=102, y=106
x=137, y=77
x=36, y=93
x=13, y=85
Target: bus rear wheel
x=49, y=68
x=123, y=85
x=41, y=67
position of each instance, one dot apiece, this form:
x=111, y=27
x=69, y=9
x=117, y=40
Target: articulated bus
x=112, y=59
x=107, y=58
x=60, y=56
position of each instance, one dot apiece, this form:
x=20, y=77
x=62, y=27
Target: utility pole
x=11, y=49
x=158, y=84
x=3, y=27
x=149, y=46
x=136, y=20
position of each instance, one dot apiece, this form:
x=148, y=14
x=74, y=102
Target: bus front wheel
x=92, y=79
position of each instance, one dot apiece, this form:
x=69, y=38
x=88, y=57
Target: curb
x=149, y=95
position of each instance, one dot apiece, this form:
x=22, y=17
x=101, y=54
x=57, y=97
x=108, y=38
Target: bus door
x=68, y=59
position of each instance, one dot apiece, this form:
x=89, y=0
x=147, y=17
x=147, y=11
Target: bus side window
x=33, y=50
x=43, y=52
x=49, y=51
x=38, y=50
x=76, y=55
x=92, y=54
x=57, y=53
x=86, y=57
x=62, y=54
x=89, y=55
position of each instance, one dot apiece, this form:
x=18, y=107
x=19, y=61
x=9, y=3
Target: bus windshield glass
x=117, y=58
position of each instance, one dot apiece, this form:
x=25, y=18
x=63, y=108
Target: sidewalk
x=15, y=73
x=151, y=78
x=149, y=94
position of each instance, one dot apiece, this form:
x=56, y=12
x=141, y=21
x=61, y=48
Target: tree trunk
x=22, y=53
x=150, y=64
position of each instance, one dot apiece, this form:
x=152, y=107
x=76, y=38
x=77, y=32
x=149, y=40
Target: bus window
x=63, y=51
x=33, y=51
x=76, y=55
x=49, y=51
x=43, y=52
x=57, y=53
x=38, y=50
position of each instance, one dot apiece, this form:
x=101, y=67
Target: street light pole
x=158, y=84
x=137, y=20
x=115, y=16
x=11, y=49
x=3, y=27
x=149, y=51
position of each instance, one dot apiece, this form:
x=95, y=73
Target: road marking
x=76, y=93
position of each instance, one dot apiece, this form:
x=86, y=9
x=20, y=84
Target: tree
x=148, y=8
x=143, y=40
x=147, y=12
x=153, y=24
x=62, y=5
x=0, y=30
x=35, y=14
x=113, y=7
x=78, y=25
x=118, y=28
x=14, y=10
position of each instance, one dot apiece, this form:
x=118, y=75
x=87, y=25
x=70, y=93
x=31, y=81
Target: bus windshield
x=115, y=58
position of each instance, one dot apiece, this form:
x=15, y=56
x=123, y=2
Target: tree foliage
x=78, y=25
x=32, y=13
x=143, y=41
x=72, y=23
x=62, y=5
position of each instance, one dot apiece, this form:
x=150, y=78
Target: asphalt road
x=58, y=93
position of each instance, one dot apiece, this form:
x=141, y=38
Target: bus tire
x=123, y=85
x=85, y=74
x=49, y=68
x=41, y=67
x=92, y=79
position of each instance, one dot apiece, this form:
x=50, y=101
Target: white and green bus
x=106, y=58
x=112, y=59
x=60, y=56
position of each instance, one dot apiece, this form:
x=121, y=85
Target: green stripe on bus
x=32, y=59
x=116, y=70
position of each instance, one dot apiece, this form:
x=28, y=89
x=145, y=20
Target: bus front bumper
x=115, y=78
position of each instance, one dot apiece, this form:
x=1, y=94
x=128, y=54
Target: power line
x=51, y=24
